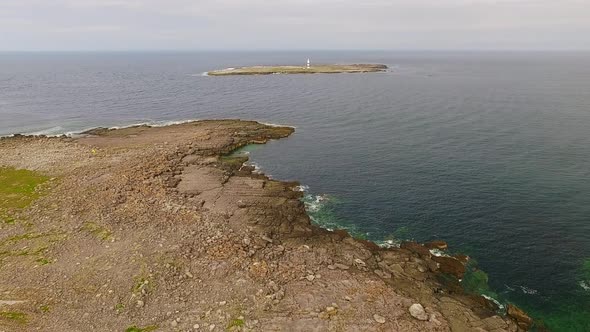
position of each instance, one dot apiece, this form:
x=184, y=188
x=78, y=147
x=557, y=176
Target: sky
x=85, y=25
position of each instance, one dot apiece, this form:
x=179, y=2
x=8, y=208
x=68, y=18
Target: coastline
x=153, y=123
x=175, y=187
x=291, y=70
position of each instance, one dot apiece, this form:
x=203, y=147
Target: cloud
x=438, y=24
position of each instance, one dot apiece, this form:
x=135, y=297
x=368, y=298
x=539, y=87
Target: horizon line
x=289, y=50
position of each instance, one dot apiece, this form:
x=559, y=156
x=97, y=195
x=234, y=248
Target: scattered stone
x=140, y=304
x=211, y=327
x=434, y=320
x=383, y=274
x=310, y=277
x=341, y=266
x=174, y=323
x=379, y=319
x=359, y=263
x=418, y=312
x=196, y=326
x=266, y=238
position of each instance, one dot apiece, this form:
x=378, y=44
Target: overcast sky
x=291, y=24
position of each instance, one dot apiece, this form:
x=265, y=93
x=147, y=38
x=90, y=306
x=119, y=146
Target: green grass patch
x=119, y=307
x=18, y=189
x=43, y=261
x=134, y=328
x=97, y=230
x=25, y=236
x=17, y=317
x=44, y=308
x=235, y=323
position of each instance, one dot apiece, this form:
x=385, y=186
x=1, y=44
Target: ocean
x=489, y=151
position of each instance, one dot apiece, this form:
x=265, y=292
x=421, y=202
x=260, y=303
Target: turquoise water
x=488, y=151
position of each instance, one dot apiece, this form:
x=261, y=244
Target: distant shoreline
x=316, y=69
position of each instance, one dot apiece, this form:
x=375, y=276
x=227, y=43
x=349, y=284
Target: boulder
x=416, y=248
x=440, y=245
x=418, y=312
x=379, y=319
x=450, y=265
x=522, y=319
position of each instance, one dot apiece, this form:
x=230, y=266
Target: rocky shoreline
x=160, y=229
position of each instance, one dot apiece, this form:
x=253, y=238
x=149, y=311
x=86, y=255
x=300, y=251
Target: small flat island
x=309, y=69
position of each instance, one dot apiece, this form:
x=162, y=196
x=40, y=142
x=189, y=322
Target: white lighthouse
x=308, y=64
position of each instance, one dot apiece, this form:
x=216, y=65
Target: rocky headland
x=315, y=69
x=159, y=229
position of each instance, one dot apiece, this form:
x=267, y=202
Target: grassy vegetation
x=37, y=246
x=18, y=188
x=134, y=328
x=97, y=230
x=142, y=284
x=235, y=323
x=42, y=261
x=12, y=316
x=319, y=69
x=119, y=307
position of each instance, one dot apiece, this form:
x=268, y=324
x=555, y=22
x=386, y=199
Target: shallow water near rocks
x=488, y=151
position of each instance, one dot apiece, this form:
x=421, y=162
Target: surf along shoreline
x=128, y=187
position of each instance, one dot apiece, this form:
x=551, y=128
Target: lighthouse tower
x=308, y=64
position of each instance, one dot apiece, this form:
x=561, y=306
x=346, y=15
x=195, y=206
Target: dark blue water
x=488, y=151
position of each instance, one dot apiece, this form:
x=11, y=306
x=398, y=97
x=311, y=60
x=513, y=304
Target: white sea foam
x=388, y=243
x=161, y=123
x=528, y=291
x=585, y=285
x=313, y=203
x=489, y=298
x=78, y=132
x=49, y=131
x=257, y=169
x=302, y=188
x=276, y=125
x=438, y=252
